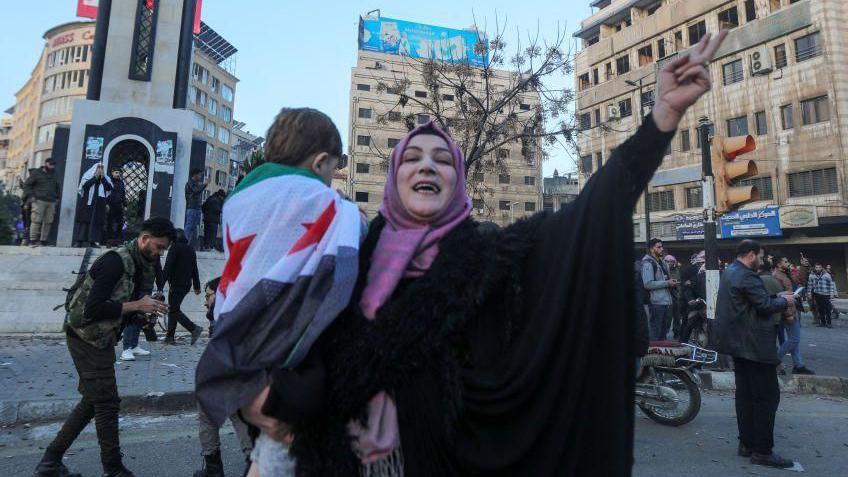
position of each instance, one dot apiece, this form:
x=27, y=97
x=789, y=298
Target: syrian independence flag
x=291, y=248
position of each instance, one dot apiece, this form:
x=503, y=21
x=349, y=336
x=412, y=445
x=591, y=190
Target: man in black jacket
x=181, y=274
x=117, y=203
x=211, y=218
x=746, y=328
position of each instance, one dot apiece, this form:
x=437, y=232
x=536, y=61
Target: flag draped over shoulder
x=291, y=248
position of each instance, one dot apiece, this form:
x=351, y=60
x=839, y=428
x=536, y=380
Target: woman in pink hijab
x=472, y=351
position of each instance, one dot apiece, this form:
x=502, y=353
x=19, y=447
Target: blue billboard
x=416, y=40
x=751, y=223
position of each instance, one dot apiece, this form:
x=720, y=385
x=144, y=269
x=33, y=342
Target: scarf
x=101, y=191
x=406, y=248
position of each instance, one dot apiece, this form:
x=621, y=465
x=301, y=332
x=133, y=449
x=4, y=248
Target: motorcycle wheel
x=682, y=383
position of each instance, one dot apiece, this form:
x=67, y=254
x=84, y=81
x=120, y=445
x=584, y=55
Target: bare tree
x=519, y=95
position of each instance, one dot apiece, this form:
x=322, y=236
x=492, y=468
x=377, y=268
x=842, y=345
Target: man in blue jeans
x=658, y=282
x=194, y=200
x=791, y=322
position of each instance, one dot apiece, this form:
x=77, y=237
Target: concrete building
x=559, y=191
x=500, y=198
x=780, y=76
x=61, y=76
x=244, y=145
x=5, y=132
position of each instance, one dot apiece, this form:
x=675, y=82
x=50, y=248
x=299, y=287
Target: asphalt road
x=811, y=430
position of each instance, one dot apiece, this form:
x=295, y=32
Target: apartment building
x=498, y=197
x=780, y=76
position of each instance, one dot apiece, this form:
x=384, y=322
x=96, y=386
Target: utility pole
x=638, y=84
x=710, y=240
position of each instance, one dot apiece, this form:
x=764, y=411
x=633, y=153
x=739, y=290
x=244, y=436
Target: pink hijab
x=405, y=248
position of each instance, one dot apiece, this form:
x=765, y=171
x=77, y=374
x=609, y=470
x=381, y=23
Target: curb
x=19, y=412
x=800, y=384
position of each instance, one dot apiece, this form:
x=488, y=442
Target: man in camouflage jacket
x=106, y=297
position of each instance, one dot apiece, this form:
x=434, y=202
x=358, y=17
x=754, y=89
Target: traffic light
x=727, y=169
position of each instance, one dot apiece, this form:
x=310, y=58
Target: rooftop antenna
x=372, y=11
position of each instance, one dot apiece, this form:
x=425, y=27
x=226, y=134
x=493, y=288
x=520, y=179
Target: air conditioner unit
x=613, y=112
x=761, y=61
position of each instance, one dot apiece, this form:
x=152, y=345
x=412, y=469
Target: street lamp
x=638, y=84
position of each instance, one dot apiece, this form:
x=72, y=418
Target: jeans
x=175, y=315
x=659, y=321
x=131, y=332
x=192, y=221
x=825, y=308
x=792, y=344
x=210, y=437
x=757, y=398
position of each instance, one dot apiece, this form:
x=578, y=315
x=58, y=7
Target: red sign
x=197, y=7
x=87, y=8
x=61, y=40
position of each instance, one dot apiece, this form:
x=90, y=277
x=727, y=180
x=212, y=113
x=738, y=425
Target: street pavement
x=811, y=430
x=824, y=350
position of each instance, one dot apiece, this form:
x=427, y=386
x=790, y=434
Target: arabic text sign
x=416, y=40
x=751, y=223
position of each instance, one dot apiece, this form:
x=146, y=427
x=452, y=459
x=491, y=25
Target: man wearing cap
x=43, y=189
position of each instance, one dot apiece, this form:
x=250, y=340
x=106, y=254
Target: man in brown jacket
x=791, y=323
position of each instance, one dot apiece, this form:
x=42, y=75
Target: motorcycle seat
x=665, y=344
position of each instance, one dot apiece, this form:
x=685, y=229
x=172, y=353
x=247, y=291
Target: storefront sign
x=751, y=223
x=87, y=8
x=798, y=216
x=61, y=40
x=689, y=227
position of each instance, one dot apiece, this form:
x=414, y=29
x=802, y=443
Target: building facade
x=5, y=133
x=558, y=191
x=244, y=145
x=780, y=76
x=497, y=197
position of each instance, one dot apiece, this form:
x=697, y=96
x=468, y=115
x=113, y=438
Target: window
x=737, y=126
x=529, y=207
x=808, y=47
x=608, y=71
x=223, y=157
x=663, y=200
x=503, y=153
x=215, y=84
x=599, y=160
x=750, y=11
x=696, y=32
x=393, y=116
x=192, y=94
x=199, y=121
x=503, y=178
x=361, y=196
x=786, y=117
x=583, y=82
x=622, y=65
x=585, y=120
x=685, y=144
x=224, y=135
x=646, y=55
x=678, y=40
x=213, y=107
x=524, y=107
x=477, y=204
x=201, y=98
x=45, y=133
x=733, y=72
x=365, y=113
x=225, y=113
x=478, y=176
x=763, y=184
x=597, y=117
x=774, y=5
x=729, y=18
x=227, y=93
x=220, y=177
x=393, y=90
x=762, y=125
x=596, y=76
x=363, y=140
x=815, y=110
x=815, y=182
x=363, y=87
x=392, y=142
x=423, y=118
x=625, y=108
x=661, y=48
x=586, y=164
x=592, y=40
x=447, y=97
x=144, y=39
x=647, y=99
x=529, y=180
x=420, y=94
x=503, y=205
x=210, y=129
x=362, y=168
x=780, y=56
x=694, y=197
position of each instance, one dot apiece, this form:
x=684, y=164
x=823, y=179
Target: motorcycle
x=696, y=324
x=667, y=389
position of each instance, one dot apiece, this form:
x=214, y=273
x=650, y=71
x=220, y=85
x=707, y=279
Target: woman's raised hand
x=684, y=80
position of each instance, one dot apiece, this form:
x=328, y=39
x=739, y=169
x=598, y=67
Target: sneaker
x=127, y=355
x=35, y=244
x=140, y=352
x=744, y=451
x=771, y=460
x=802, y=370
x=169, y=340
x=195, y=334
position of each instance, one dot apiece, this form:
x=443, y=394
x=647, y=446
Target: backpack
x=644, y=295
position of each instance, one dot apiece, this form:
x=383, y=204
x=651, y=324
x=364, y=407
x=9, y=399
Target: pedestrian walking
x=117, y=204
x=208, y=432
x=821, y=289
x=676, y=309
x=194, y=198
x=181, y=274
x=834, y=313
x=42, y=189
x=97, y=309
x=211, y=218
x=658, y=281
x=26, y=210
x=94, y=189
x=747, y=317
x=791, y=322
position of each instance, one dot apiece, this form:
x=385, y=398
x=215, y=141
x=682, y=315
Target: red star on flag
x=233, y=267
x=316, y=230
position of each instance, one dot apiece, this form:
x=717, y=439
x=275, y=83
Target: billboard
x=416, y=40
x=751, y=223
